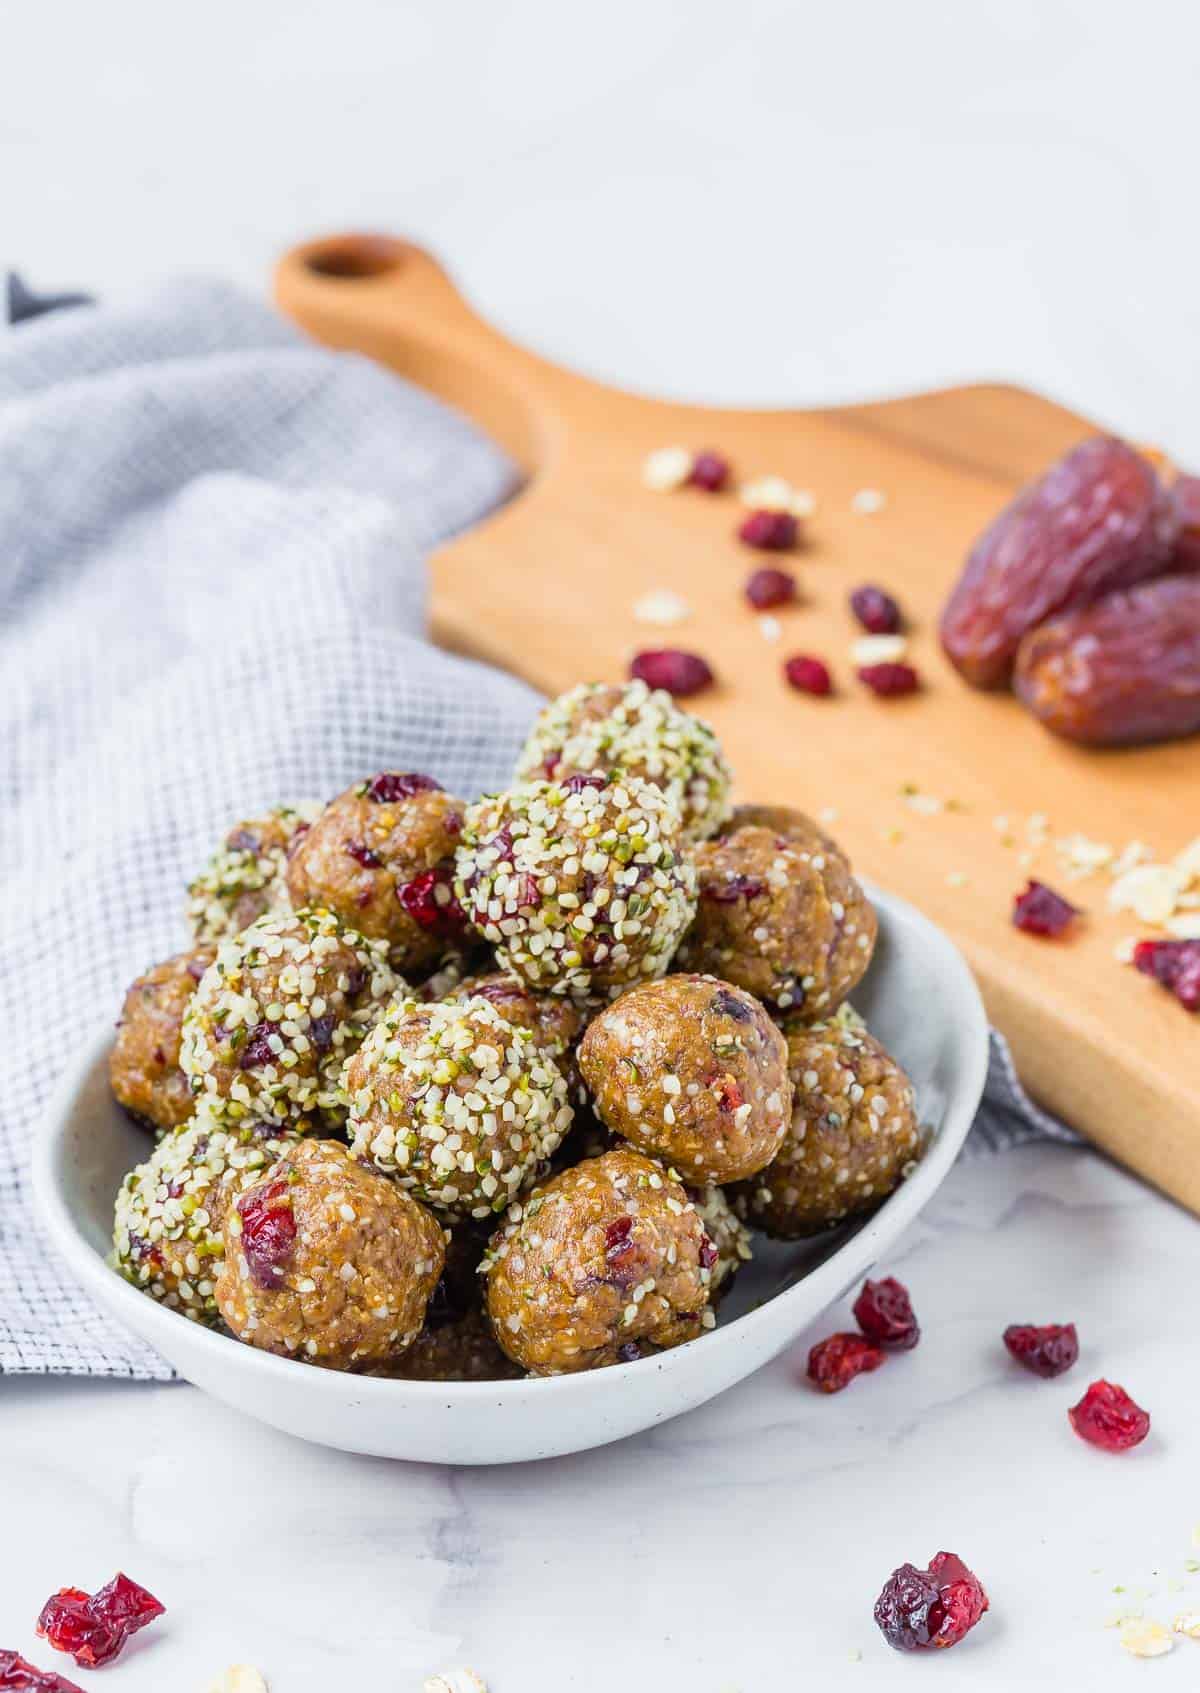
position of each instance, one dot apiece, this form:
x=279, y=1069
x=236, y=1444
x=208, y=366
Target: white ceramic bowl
x=921, y=1001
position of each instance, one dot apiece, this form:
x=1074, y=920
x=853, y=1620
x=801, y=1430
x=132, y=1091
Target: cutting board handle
x=391, y=299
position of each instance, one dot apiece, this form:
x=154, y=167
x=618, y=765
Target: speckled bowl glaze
x=918, y=997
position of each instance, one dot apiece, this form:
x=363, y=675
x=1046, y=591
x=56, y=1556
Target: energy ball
x=606, y=1261
x=556, y=1023
x=854, y=1134
x=693, y=1071
x=247, y=875
x=462, y=1350
x=630, y=730
x=781, y=915
x=275, y=1017
x=728, y=1234
x=457, y=1102
x=579, y=885
x=143, y=1066
x=167, y=1223
x=328, y=1262
x=380, y=857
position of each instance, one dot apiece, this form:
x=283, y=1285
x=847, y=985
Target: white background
x=745, y=202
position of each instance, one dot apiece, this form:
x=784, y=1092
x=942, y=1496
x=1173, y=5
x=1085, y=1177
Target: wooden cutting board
x=546, y=588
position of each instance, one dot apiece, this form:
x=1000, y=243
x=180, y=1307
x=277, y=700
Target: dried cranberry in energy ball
x=853, y=1137
x=247, y=875
x=456, y=1102
x=380, y=857
x=327, y=1262
x=606, y=1261
x=277, y=1014
x=580, y=885
x=143, y=1066
x=694, y=1071
x=167, y=1223
x=780, y=913
x=632, y=730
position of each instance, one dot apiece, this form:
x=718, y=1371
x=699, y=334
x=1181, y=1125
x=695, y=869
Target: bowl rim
x=829, y=1279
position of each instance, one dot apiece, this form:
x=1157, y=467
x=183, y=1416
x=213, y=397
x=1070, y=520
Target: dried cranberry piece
x=883, y=1311
x=889, y=681
x=769, y=587
x=320, y=1031
x=876, y=611
x=1046, y=1351
x=242, y=840
x=93, y=1628
x=733, y=888
x=834, y=1363
x=1185, y=500
x=708, y=1253
x=1176, y=964
x=362, y=854
x=1107, y=1417
x=629, y=1352
x=710, y=471
x=921, y=1610
x=772, y=531
x=257, y=1049
x=808, y=675
x=616, y=1236
x=680, y=673
x=1038, y=910
x=429, y=900
x=576, y=784
x=18, y=1672
x=729, y=1094
x=268, y=1231
x=392, y=785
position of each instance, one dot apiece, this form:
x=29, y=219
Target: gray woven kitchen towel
x=211, y=598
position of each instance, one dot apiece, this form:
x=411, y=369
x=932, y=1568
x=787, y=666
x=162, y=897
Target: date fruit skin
x=1098, y=519
x=1121, y=672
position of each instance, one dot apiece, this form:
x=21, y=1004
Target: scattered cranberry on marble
x=17, y=1672
x=94, y=1627
x=808, y=675
x=1107, y=1417
x=922, y=1610
x=710, y=471
x=883, y=1311
x=768, y=588
x=771, y=531
x=1038, y=910
x=1046, y=1351
x=834, y=1363
x=889, y=680
x=680, y=673
x=1176, y=964
x=876, y=611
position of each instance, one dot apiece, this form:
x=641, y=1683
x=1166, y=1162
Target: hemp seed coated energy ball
x=693, y=1071
x=632, y=731
x=143, y=1066
x=247, y=875
x=275, y=1017
x=580, y=885
x=854, y=1134
x=327, y=1262
x=728, y=1234
x=781, y=915
x=167, y=1223
x=456, y=1102
x=380, y=857
x=606, y=1261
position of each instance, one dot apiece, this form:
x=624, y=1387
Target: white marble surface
x=773, y=202
x=740, y=1547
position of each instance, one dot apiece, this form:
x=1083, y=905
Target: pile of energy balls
x=462, y=1092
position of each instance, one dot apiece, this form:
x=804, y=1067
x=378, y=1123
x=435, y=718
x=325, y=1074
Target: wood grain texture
x=546, y=586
